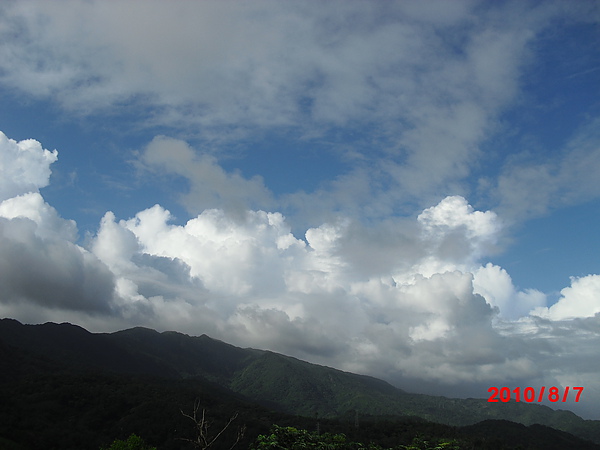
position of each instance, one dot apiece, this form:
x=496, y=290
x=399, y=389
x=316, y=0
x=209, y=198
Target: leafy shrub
x=133, y=442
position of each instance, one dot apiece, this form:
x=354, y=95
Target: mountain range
x=263, y=380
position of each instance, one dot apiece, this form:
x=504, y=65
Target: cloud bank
x=410, y=300
x=41, y=266
x=381, y=263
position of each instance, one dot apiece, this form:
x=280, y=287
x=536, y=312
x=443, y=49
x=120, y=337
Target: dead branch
x=203, y=439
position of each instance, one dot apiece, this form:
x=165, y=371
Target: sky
x=403, y=189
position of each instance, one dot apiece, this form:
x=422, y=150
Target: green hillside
x=277, y=382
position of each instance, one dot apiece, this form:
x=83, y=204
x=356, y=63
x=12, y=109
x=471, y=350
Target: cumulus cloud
x=454, y=212
x=405, y=299
x=25, y=166
x=428, y=316
x=264, y=284
x=495, y=284
x=457, y=229
x=380, y=270
x=41, y=265
x=581, y=299
x=32, y=206
x=51, y=273
x=230, y=259
x=387, y=299
x=260, y=284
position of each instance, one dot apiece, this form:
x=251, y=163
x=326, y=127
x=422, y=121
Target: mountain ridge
x=276, y=381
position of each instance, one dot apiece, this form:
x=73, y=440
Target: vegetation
x=204, y=438
x=295, y=439
x=104, y=388
x=133, y=442
x=281, y=438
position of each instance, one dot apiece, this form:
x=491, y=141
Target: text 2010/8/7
x=529, y=395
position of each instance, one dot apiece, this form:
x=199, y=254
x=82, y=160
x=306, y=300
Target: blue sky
x=404, y=189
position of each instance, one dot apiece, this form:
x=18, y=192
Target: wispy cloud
x=422, y=87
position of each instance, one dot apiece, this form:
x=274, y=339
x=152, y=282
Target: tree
x=203, y=439
x=290, y=438
x=420, y=443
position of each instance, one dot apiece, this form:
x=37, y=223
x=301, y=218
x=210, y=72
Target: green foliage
x=294, y=439
x=60, y=384
x=133, y=442
x=420, y=443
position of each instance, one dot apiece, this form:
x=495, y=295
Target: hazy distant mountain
x=275, y=381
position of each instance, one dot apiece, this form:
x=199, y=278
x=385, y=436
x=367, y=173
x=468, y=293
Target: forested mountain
x=112, y=381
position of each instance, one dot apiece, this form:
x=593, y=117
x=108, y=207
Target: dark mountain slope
x=277, y=381
x=86, y=410
x=185, y=355
x=301, y=388
x=504, y=432
x=78, y=348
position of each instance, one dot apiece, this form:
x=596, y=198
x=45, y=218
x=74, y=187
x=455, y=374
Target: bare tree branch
x=203, y=439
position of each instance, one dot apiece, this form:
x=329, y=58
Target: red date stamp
x=529, y=394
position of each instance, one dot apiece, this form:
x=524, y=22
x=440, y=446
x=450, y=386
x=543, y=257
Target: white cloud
x=114, y=245
x=457, y=235
x=390, y=72
x=401, y=300
x=40, y=264
x=150, y=288
x=262, y=286
x=24, y=166
x=32, y=206
x=420, y=85
x=581, y=299
x=230, y=258
x=496, y=286
x=453, y=213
